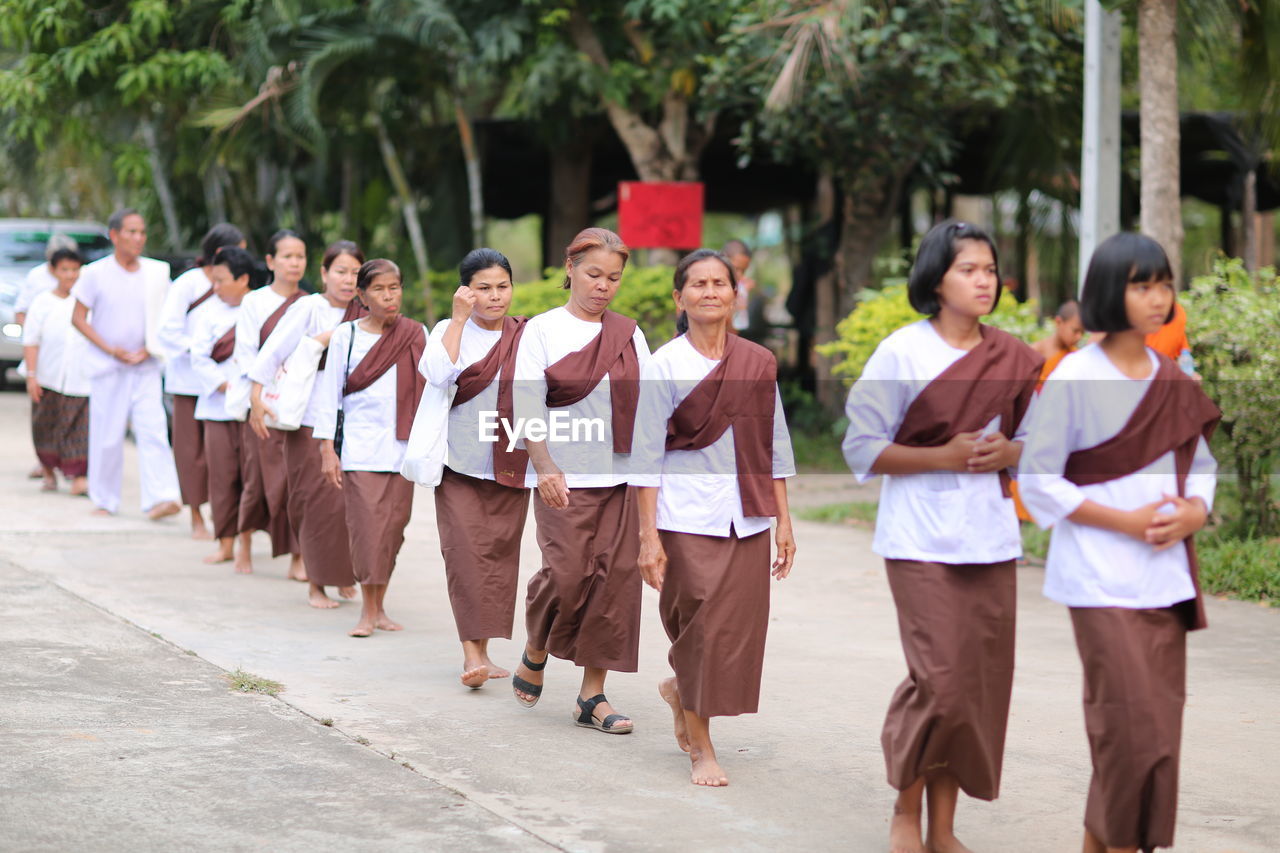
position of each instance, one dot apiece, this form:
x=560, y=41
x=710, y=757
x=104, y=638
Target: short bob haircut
x=937, y=253
x=238, y=262
x=1118, y=261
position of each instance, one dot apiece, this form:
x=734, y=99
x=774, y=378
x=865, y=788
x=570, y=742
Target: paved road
x=82, y=683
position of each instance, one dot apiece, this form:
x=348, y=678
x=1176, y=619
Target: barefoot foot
x=222, y=555
x=905, y=835
x=50, y=484
x=347, y=591
x=297, y=572
x=669, y=692
x=317, y=599
x=946, y=844
x=474, y=675
x=496, y=671
x=99, y=511
x=201, y=533
x=706, y=770
x=163, y=510
x=79, y=487
x=363, y=629
x=384, y=623
x=244, y=565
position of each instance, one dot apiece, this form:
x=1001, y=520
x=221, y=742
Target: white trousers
x=121, y=396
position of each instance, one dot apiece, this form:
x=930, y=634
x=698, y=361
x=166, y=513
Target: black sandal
x=519, y=685
x=610, y=726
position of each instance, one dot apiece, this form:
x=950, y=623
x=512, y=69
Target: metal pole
x=1100, y=153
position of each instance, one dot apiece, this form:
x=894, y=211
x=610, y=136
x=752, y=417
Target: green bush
x=882, y=312
x=645, y=295
x=1232, y=318
x=1242, y=568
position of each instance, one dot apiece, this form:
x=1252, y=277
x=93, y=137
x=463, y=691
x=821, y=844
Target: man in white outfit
x=125, y=292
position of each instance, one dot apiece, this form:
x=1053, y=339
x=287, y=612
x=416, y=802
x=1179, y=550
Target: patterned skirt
x=60, y=431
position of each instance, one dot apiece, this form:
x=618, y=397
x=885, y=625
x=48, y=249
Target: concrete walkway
x=81, y=684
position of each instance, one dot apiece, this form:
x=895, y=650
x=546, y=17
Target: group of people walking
x=677, y=477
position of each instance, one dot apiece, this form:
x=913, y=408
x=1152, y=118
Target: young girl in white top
x=937, y=412
x=1117, y=463
x=56, y=380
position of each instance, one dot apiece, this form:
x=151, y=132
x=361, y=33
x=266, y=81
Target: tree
x=1160, y=134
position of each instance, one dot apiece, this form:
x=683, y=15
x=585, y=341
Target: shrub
x=881, y=312
x=1232, y=317
x=1242, y=568
x=645, y=295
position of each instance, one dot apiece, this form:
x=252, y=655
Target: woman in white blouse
x=707, y=503
x=1120, y=557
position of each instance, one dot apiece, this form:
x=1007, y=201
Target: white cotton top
x=176, y=326
x=934, y=516
x=310, y=316
x=118, y=300
x=1086, y=401
x=467, y=454
x=586, y=464
x=369, y=426
x=697, y=489
x=257, y=306
x=60, y=360
x=38, y=280
x=210, y=325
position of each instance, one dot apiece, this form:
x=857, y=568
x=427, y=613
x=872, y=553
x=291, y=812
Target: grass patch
x=818, y=452
x=1035, y=542
x=327, y=721
x=1248, y=569
x=857, y=513
x=362, y=740
x=247, y=682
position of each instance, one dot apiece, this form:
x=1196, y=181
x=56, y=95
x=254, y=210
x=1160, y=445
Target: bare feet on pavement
x=297, y=571
x=474, y=674
x=347, y=591
x=706, y=770
x=905, y=835
x=224, y=554
x=317, y=599
x=950, y=844
x=384, y=623
x=163, y=510
x=667, y=688
x=363, y=628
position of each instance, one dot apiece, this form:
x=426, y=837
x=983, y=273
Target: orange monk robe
x=1171, y=340
x=1049, y=364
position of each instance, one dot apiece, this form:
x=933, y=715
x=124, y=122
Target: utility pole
x=1100, y=153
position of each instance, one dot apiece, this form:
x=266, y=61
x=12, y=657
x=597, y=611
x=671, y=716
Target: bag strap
x=346, y=370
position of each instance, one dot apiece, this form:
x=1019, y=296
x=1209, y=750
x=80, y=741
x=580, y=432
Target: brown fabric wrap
x=189, y=451
x=508, y=467
x=1172, y=415
x=401, y=345
x=739, y=392
x=224, y=346
x=355, y=311
x=997, y=377
x=274, y=318
x=576, y=375
x=204, y=297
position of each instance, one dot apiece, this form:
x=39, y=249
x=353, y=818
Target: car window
x=19, y=248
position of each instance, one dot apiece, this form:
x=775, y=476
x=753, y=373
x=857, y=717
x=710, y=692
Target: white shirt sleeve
x=435, y=364
x=784, y=459
x=875, y=409
x=283, y=341
x=642, y=347
x=33, y=328
x=1048, y=495
x=35, y=283
x=246, y=350
x=208, y=373
x=1202, y=480
x=172, y=333
x=85, y=290
x=328, y=388
x=653, y=410
x=530, y=393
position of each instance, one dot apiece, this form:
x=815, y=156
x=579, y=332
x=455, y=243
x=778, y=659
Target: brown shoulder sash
x=273, y=319
x=1173, y=415
x=508, y=468
x=355, y=310
x=576, y=375
x=997, y=377
x=739, y=392
x=204, y=297
x=401, y=346
x=224, y=346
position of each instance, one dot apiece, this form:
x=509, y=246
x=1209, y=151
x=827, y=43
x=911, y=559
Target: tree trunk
x=1249, y=221
x=827, y=389
x=409, y=206
x=1158, y=87
x=569, y=209
x=870, y=204
x=475, y=187
x=160, y=180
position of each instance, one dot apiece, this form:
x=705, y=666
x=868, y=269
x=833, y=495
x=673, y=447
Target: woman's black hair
x=60, y=255
x=339, y=248
x=935, y=256
x=376, y=267
x=222, y=234
x=1119, y=260
x=282, y=234
x=238, y=261
x=481, y=259
x=681, y=277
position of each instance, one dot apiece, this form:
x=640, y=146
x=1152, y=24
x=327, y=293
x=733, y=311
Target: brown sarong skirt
x=253, y=499
x=1135, y=675
x=317, y=513
x=379, y=505
x=188, y=451
x=275, y=486
x=950, y=714
x=228, y=469
x=715, y=607
x=60, y=432
x=584, y=604
x=480, y=525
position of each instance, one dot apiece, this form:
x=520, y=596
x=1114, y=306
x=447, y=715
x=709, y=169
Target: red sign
x=660, y=215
